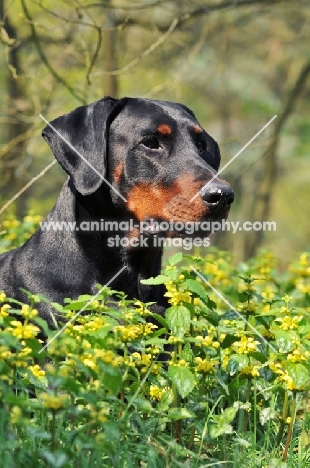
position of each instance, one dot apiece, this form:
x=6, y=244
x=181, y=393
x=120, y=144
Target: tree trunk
x=109, y=44
x=12, y=177
x=263, y=198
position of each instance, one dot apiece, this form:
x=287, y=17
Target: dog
x=136, y=161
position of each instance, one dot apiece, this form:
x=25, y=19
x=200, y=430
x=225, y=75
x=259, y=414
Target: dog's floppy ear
x=81, y=148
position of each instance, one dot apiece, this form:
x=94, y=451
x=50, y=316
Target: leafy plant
x=231, y=391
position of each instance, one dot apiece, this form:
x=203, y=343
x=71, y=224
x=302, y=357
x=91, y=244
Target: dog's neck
x=141, y=262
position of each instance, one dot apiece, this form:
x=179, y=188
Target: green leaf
x=165, y=401
x=187, y=353
x=143, y=405
x=160, y=319
x=160, y=279
x=211, y=316
x=180, y=413
x=55, y=459
x=228, y=341
x=156, y=341
x=111, y=378
x=176, y=258
x=299, y=373
x=258, y=356
x=178, y=320
x=198, y=289
x=243, y=297
x=172, y=272
x=229, y=414
x=216, y=431
x=78, y=305
x=182, y=378
x=222, y=421
x=236, y=363
x=285, y=340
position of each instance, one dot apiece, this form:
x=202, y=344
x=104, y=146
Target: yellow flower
x=182, y=363
x=36, y=370
x=287, y=298
x=205, y=365
x=246, y=345
x=298, y=355
x=4, y=309
x=289, y=382
x=288, y=323
x=31, y=218
x=11, y=223
x=95, y=324
x=175, y=339
x=276, y=367
x=247, y=308
x=5, y=353
x=108, y=356
x=54, y=402
x=15, y=414
x=141, y=309
x=144, y=361
x=131, y=332
x=157, y=393
x=268, y=293
x=86, y=344
x=23, y=331
x=225, y=359
x=2, y=296
x=156, y=368
x=206, y=341
x=27, y=312
x=251, y=370
x=101, y=416
x=25, y=351
x=304, y=288
x=89, y=361
x=177, y=297
x=304, y=259
x=246, y=288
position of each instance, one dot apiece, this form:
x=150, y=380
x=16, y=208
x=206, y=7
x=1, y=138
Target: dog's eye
x=151, y=143
x=200, y=147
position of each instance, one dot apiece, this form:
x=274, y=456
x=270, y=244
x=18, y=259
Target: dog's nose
x=218, y=196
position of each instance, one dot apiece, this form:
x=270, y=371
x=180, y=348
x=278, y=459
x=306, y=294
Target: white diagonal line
x=82, y=157
x=232, y=159
x=80, y=311
x=232, y=307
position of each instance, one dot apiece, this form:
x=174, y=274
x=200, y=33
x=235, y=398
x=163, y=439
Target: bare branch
x=44, y=59
x=145, y=53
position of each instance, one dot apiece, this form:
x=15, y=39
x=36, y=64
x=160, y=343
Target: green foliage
x=14, y=233
x=234, y=387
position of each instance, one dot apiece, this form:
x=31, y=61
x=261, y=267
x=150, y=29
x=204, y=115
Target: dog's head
x=154, y=153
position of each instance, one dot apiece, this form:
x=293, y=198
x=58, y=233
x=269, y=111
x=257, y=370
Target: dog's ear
x=79, y=142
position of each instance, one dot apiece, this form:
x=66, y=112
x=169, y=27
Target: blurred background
x=235, y=63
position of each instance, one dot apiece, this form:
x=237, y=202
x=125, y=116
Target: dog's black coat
x=158, y=157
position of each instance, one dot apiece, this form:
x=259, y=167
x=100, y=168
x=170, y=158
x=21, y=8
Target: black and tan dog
x=157, y=156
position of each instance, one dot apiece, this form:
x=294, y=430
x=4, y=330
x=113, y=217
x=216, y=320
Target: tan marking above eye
x=197, y=129
x=164, y=129
x=118, y=172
